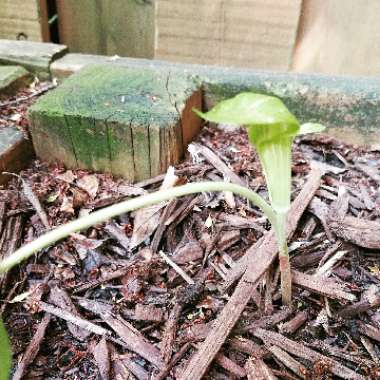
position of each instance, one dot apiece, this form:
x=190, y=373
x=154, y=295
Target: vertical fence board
x=245, y=33
x=109, y=27
x=20, y=19
x=339, y=37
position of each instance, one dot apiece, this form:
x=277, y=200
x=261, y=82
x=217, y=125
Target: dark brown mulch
x=13, y=110
x=91, y=307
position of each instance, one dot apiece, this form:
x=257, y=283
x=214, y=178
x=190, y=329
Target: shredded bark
x=121, y=310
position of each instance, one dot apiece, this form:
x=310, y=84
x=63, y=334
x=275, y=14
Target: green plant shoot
x=271, y=130
x=5, y=353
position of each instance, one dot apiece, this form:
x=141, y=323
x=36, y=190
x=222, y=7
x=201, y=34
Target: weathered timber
x=108, y=26
x=12, y=78
x=15, y=152
x=348, y=106
x=20, y=19
x=34, y=56
x=73, y=62
x=132, y=123
x=222, y=30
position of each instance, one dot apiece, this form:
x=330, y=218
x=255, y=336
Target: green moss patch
x=127, y=121
x=12, y=78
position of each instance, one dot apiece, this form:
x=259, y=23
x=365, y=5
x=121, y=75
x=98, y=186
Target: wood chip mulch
x=165, y=293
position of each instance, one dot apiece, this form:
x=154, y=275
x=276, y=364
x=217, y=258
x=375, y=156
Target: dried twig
x=110, y=276
x=20, y=99
x=258, y=370
x=295, y=323
x=184, y=296
x=325, y=269
x=176, y=358
x=102, y=357
x=10, y=240
x=132, y=338
x=360, y=307
x=369, y=330
x=327, y=287
x=230, y=366
x=304, y=352
x=69, y=317
x=215, y=161
x=177, y=268
x=33, y=348
x=288, y=361
x=60, y=298
x=33, y=199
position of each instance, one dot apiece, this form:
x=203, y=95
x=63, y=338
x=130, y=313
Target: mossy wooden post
x=12, y=78
x=122, y=27
x=133, y=123
x=36, y=57
x=15, y=152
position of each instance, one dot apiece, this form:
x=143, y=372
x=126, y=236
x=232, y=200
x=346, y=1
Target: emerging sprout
x=271, y=130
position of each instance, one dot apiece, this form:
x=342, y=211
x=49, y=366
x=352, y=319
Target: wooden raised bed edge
x=347, y=105
x=131, y=122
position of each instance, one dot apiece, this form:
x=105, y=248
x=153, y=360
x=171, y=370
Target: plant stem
x=286, y=275
x=130, y=205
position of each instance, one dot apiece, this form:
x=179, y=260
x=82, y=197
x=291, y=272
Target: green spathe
x=5, y=353
x=267, y=114
x=271, y=129
x=248, y=108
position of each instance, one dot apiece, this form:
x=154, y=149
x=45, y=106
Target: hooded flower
x=271, y=129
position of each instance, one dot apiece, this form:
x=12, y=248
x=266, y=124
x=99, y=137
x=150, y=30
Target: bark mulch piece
x=196, y=295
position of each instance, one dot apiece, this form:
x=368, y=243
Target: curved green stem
x=120, y=208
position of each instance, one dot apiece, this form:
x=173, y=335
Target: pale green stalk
x=271, y=129
x=275, y=158
x=286, y=275
x=120, y=208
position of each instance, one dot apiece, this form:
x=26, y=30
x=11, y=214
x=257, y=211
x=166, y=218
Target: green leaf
x=311, y=128
x=266, y=116
x=271, y=129
x=249, y=108
x=5, y=353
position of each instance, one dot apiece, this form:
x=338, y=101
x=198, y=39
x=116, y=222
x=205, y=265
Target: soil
x=92, y=307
